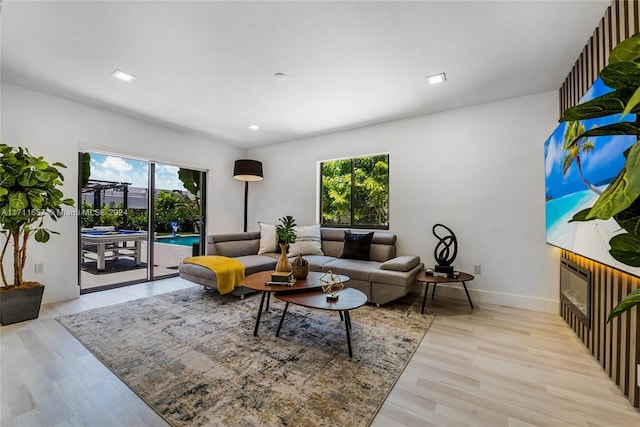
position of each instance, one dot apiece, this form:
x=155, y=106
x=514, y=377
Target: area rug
x=192, y=356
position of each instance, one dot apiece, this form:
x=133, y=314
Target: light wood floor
x=493, y=366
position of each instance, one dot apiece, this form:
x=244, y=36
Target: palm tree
x=574, y=146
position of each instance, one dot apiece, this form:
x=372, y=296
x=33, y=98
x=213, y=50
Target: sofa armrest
x=401, y=263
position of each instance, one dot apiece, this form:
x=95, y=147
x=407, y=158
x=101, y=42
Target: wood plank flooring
x=500, y=366
x=492, y=366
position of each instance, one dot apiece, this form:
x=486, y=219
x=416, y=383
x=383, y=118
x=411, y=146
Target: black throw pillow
x=357, y=245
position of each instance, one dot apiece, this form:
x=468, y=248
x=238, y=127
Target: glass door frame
x=151, y=190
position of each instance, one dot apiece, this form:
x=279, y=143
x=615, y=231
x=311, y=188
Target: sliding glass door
x=138, y=219
x=177, y=217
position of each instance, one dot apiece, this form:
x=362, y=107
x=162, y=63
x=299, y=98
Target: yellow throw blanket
x=229, y=272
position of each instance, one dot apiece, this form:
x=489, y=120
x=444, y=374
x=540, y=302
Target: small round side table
x=425, y=278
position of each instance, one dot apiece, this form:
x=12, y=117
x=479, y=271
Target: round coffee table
x=422, y=277
x=348, y=299
x=257, y=282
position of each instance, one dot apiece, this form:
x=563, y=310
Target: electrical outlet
x=39, y=268
x=476, y=269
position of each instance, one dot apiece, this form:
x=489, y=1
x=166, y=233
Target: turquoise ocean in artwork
x=562, y=209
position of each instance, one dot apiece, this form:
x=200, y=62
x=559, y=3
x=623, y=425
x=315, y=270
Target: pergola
x=96, y=187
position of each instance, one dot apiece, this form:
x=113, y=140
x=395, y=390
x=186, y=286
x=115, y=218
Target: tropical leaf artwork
x=621, y=199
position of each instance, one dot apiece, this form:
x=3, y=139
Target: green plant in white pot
x=28, y=194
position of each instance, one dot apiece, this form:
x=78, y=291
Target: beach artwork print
x=584, y=172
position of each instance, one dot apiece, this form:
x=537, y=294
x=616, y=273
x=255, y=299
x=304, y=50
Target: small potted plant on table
x=28, y=193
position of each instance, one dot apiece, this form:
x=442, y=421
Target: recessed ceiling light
x=123, y=76
x=254, y=127
x=280, y=76
x=436, y=79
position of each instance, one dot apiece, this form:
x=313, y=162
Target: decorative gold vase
x=283, y=262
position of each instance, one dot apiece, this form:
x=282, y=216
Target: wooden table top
x=348, y=299
x=428, y=278
x=256, y=281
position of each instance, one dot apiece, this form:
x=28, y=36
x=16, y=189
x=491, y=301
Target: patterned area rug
x=192, y=356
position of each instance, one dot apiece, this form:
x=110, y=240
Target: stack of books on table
x=281, y=279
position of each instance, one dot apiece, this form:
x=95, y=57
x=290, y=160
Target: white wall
x=54, y=128
x=478, y=170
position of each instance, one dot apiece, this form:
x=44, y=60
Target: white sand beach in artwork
x=589, y=239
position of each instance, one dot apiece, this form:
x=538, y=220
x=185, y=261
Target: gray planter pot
x=20, y=305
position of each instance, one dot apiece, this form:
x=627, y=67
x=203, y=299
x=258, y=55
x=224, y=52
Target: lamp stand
x=246, y=198
x=247, y=170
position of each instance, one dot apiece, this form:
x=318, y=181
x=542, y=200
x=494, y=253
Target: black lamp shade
x=247, y=170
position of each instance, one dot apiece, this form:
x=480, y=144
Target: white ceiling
x=207, y=66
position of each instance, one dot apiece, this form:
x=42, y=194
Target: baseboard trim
x=479, y=296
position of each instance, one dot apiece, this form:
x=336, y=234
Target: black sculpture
x=446, y=249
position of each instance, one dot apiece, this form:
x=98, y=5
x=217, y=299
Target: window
x=355, y=192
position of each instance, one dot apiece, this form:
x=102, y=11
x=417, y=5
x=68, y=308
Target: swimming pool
x=187, y=240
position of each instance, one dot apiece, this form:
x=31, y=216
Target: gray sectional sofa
x=383, y=278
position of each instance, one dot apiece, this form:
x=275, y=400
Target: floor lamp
x=247, y=170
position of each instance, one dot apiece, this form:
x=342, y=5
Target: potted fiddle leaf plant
x=286, y=235
x=28, y=194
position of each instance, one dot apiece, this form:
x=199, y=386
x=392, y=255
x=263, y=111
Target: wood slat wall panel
x=616, y=345
x=613, y=344
x=591, y=62
x=632, y=386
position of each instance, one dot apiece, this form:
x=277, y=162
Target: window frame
x=353, y=195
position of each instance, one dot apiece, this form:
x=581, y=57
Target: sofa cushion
x=332, y=234
x=401, y=263
x=354, y=268
x=197, y=271
x=307, y=241
x=384, y=238
x=332, y=241
x=255, y=263
x=317, y=261
x=383, y=246
x=268, y=238
x=357, y=245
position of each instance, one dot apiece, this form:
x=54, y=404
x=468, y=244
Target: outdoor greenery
x=191, y=180
x=355, y=192
x=28, y=193
x=85, y=168
x=170, y=206
x=175, y=206
x=620, y=200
